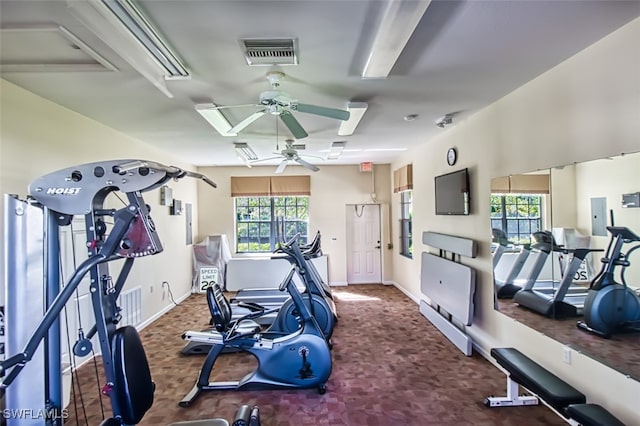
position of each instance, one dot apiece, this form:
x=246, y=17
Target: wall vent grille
x=271, y=51
x=130, y=303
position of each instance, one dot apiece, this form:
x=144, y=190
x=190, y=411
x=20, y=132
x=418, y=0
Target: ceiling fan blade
x=281, y=166
x=338, y=114
x=305, y=164
x=234, y=106
x=294, y=126
x=244, y=123
x=265, y=159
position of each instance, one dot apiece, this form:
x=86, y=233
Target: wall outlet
x=566, y=354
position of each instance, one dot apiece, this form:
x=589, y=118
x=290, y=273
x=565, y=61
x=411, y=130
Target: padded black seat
x=133, y=386
x=534, y=377
x=219, y=308
x=592, y=415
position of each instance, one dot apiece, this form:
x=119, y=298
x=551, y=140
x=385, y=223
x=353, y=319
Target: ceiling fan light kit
x=356, y=112
x=288, y=155
x=125, y=29
x=214, y=117
x=400, y=19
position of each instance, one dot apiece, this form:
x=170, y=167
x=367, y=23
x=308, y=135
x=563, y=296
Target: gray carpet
x=390, y=367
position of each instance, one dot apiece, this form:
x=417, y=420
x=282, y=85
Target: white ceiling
x=463, y=56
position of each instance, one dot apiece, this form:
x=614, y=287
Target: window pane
x=265, y=213
x=256, y=217
x=406, y=240
x=522, y=214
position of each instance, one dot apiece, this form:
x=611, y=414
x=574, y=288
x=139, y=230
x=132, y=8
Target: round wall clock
x=452, y=156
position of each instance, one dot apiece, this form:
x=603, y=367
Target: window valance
x=270, y=186
x=403, y=178
x=521, y=184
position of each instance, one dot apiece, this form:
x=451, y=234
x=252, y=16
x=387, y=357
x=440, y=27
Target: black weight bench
x=562, y=397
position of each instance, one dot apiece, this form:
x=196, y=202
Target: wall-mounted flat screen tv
x=452, y=193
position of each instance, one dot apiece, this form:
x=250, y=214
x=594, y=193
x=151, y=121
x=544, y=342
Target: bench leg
x=512, y=399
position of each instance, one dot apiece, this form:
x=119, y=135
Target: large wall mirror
x=550, y=234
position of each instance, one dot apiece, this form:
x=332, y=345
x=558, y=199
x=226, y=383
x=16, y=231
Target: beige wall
x=332, y=188
x=585, y=108
x=38, y=137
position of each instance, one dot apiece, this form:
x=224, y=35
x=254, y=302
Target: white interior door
x=363, y=244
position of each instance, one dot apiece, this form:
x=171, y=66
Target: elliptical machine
x=297, y=360
x=610, y=306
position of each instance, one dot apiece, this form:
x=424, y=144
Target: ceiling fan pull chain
x=277, y=143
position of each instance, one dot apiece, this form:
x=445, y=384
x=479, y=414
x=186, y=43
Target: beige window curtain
x=500, y=185
x=521, y=184
x=403, y=178
x=290, y=185
x=250, y=186
x=266, y=186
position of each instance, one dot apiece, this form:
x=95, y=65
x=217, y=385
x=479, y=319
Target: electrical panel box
x=631, y=200
x=176, y=208
x=166, y=196
x=599, y=216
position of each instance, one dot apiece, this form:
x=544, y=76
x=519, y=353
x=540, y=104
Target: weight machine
x=32, y=253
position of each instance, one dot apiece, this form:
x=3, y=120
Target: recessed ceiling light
x=411, y=117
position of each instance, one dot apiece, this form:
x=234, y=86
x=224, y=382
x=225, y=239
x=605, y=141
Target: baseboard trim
x=139, y=327
x=338, y=283
x=161, y=312
x=406, y=293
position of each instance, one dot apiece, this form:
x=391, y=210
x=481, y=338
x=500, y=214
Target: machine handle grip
x=171, y=171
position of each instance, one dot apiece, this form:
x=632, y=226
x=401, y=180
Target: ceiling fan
x=279, y=103
x=290, y=154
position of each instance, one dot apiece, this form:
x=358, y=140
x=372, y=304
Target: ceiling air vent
x=270, y=51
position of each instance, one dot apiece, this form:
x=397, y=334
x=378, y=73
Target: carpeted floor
x=390, y=367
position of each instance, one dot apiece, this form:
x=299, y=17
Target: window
x=406, y=215
x=257, y=220
x=518, y=215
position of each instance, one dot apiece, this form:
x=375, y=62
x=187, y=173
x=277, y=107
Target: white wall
x=331, y=189
x=38, y=137
x=587, y=107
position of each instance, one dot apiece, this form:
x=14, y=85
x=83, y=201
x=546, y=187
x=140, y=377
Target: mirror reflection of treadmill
x=506, y=268
x=559, y=299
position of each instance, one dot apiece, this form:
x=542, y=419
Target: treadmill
x=544, y=297
x=507, y=287
x=271, y=297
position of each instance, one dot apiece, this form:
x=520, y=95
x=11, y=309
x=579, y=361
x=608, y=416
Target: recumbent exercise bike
x=300, y=359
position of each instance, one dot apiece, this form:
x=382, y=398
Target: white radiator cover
x=130, y=303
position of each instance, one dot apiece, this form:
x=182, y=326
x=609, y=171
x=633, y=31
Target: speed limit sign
x=208, y=277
